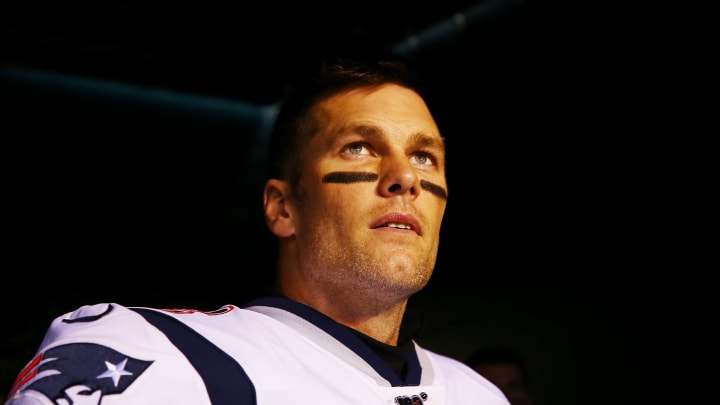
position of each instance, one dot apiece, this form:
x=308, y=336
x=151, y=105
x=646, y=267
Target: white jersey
x=273, y=351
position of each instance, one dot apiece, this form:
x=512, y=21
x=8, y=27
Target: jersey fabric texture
x=272, y=351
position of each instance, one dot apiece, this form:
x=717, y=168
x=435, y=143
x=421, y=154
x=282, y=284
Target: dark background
x=134, y=138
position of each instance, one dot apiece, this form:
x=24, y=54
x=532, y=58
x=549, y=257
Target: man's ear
x=277, y=208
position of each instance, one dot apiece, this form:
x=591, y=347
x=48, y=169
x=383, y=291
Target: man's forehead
x=387, y=94
x=420, y=136
x=350, y=113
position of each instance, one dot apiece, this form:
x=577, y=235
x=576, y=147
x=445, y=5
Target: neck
x=355, y=310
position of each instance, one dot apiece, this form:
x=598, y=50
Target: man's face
x=373, y=193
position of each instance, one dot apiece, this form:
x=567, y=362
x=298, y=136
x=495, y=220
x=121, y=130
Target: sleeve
x=106, y=353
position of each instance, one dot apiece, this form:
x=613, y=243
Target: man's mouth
x=399, y=221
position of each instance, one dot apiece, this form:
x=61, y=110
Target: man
x=356, y=197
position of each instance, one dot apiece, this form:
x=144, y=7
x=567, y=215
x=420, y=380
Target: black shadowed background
x=134, y=141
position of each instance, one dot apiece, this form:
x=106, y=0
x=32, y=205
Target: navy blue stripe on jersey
x=347, y=338
x=225, y=380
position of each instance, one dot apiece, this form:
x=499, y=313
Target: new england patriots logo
x=79, y=373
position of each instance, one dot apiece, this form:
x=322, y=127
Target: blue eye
x=357, y=149
x=423, y=159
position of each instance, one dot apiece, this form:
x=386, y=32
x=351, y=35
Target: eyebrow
x=428, y=141
x=357, y=177
x=417, y=137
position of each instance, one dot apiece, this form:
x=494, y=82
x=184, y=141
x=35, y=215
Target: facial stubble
x=384, y=277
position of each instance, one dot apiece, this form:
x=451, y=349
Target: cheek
x=433, y=203
x=344, y=198
x=435, y=212
x=334, y=200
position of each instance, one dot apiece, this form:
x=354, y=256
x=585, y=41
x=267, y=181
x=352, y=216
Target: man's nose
x=398, y=176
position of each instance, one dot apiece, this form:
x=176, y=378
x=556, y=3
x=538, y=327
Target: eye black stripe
x=434, y=189
x=357, y=177
x=349, y=177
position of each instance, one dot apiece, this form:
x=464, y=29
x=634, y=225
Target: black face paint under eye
x=357, y=177
x=433, y=189
x=349, y=177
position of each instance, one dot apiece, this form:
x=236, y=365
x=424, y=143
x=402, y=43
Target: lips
x=399, y=221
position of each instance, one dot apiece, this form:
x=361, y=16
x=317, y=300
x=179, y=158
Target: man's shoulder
x=454, y=372
x=123, y=326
